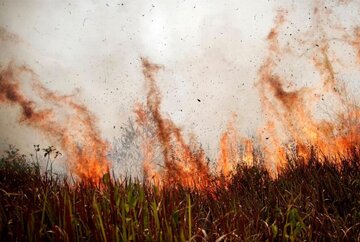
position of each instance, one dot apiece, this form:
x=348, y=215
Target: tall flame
x=168, y=159
x=290, y=127
x=234, y=150
x=77, y=133
x=229, y=155
x=183, y=163
x=292, y=114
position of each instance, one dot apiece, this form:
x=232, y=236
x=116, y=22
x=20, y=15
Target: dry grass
x=307, y=202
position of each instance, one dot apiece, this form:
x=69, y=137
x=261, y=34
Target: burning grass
x=297, y=179
x=308, y=201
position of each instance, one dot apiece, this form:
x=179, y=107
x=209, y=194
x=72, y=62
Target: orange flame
x=248, y=154
x=229, y=155
x=290, y=126
x=78, y=135
x=291, y=110
x=184, y=163
x=168, y=159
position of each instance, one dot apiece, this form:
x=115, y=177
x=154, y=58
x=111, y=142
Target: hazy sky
x=211, y=51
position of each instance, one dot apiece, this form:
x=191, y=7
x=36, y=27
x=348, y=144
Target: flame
x=183, y=163
x=290, y=126
x=229, y=155
x=169, y=159
x=291, y=111
x=248, y=154
x=77, y=134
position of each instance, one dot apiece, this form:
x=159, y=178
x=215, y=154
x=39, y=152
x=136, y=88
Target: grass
x=316, y=201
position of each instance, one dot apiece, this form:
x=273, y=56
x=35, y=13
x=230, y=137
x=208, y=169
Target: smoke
x=6, y=36
x=213, y=53
x=206, y=47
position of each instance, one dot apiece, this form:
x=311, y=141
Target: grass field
x=316, y=201
x=296, y=179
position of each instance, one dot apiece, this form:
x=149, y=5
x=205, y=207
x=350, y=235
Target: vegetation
x=316, y=201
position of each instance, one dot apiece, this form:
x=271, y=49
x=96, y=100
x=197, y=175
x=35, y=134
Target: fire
x=169, y=159
x=290, y=127
x=77, y=135
x=229, y=155
x=291, y=111
x=248, y=154
x=183, y=163
x=234, y=150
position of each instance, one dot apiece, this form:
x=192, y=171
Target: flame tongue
x=184, y=163
x=289, y=126
x=78, y=136
x=292, y=123
x=229, y=155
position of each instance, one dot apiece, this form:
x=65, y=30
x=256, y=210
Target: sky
x=211, y=52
